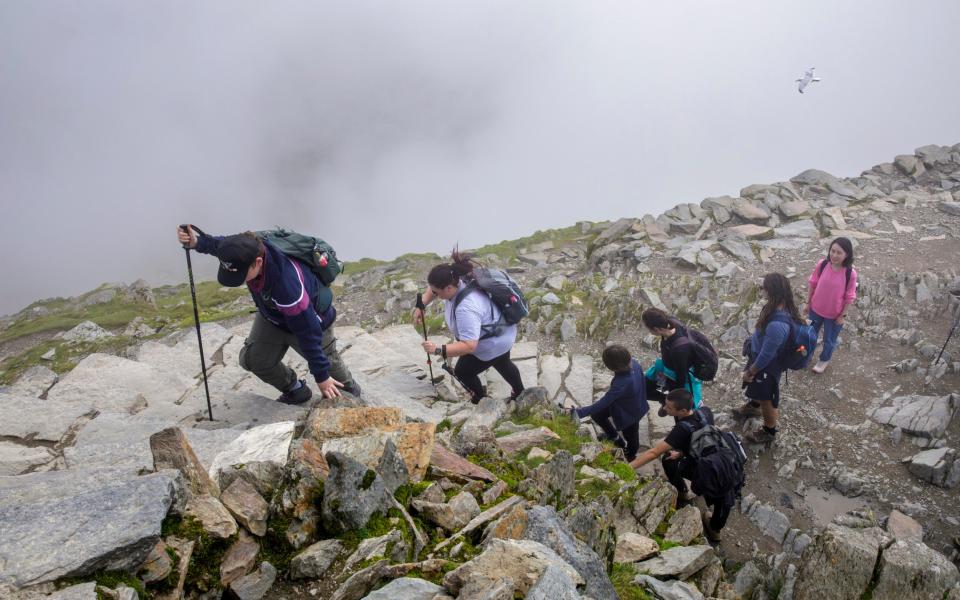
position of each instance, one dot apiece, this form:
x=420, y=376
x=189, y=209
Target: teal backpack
x=318, y=255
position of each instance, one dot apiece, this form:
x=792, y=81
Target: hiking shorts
x=765, y=386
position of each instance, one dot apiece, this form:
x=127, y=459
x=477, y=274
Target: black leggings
x=631, y=433
x=686, y=468
x=469, y=366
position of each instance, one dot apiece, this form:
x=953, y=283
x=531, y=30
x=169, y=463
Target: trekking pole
x=196, y=319
x=423, y=323
x=947, y=341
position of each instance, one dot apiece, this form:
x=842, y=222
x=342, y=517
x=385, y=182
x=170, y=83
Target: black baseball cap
x=236, y=254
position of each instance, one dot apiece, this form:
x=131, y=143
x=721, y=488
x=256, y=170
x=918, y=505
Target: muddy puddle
x=822, y=505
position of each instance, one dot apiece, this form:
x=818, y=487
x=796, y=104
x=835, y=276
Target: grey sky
x=391, y=127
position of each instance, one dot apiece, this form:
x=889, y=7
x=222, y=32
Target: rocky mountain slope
x=112, y=480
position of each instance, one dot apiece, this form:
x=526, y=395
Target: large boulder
x=938, y=466
x=351, y=495
x=838, y=563
x=913, y=570
x=523, y=561
x=73, y=523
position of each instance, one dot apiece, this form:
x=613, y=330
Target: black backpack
x=705, y=359
x=720, y=459
x=503, y=292
x=315, y=253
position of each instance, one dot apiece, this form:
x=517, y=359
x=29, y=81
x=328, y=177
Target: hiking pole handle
x=186, y=229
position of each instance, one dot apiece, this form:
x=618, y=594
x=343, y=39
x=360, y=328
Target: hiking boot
x=513, y=395
x=710, y=534
x=747, y=410
x=296, y=396
x=820, y=367
x=687, y=497
x=759, y=436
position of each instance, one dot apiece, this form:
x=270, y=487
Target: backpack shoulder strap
x=822, y=266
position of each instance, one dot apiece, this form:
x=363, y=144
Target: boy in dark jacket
x=294, y=310
x=619, y=411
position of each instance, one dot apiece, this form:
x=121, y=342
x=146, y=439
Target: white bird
x=806, y=80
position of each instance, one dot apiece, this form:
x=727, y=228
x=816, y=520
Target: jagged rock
x=267, y=445
x=351, y=494
x=172, y=450
x=678, y=562
x=546, y=527
x=444, y=461
x=313, y=562
x=157, y=565
x=684, y=526
x=114, y=522
x=707, y=578
x=406, y=588
x=633, y=547
x=650, y=503
x=240, y=558
x=751, y=211
x=794, y=209
x=750, y=231
x=480, y=587
x=832, y=218
x=772, y=523
x=477, y=439
x=247, y=506
x=913, y=570
x=902, y=527
x=797, y=229
x=392, y=468
x=938, y=466
x=593, y=523
x=924, y=416
x=552, y=481
x=515, y=442
x=550, y=298
x=749, y=577
x=668, y=590
x=838, y=564
x=554, y=584
x=16, y=459
x=523, y=561
x=255, y=585
x=615, y=231
x=390, y=546
x=88, y=331
x=361, y=582
x=452, y=515
x=212, y=515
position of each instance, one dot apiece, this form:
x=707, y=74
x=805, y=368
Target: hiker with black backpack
x=619, y=411
x=694, y=449
x=294, y=307
x=481, y=308
x=833, y=288
x=686, y=358
x=770, y=351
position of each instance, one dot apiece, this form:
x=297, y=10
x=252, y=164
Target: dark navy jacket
x=626, y=399
x=291, y=297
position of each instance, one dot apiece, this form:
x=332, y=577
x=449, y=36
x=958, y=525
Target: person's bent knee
x=254, y=362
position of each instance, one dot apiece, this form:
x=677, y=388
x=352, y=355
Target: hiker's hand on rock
x=188, y=238
x=330, y=387
x=417, y=316
x=429, y=347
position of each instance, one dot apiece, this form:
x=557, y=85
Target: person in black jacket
x=619, y=411
x=672, y=372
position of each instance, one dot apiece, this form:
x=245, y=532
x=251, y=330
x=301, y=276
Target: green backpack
x=318, y=255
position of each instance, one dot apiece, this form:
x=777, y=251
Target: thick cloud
x=391, y=127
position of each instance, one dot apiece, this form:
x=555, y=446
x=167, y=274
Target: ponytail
x=461, y=267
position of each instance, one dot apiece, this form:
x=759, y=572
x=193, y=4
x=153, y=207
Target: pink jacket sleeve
x=851, y=295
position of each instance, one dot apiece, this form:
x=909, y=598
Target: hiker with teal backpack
x=833, y=288
x=780, y=341
x=686, y=358
x=288, y=276
x=481, y=307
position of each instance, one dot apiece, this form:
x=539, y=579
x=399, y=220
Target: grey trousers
x=265, y=346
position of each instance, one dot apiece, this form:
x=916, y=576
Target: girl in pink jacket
x=833, y=288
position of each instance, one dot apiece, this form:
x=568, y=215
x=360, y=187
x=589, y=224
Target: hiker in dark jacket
x=295, y=310
x=761, y=377
x=678, y=465
x=619, y=411
x=673, y=370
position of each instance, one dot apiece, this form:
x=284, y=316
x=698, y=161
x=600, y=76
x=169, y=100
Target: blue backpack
x=800, y=345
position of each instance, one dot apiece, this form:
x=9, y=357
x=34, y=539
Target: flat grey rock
x=679, y=561
x=16, y=459
x=406, y=588
x=923, y=416
x=84, y=525
x=40, y=420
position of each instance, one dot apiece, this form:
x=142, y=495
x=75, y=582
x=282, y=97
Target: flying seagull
x=806, y=80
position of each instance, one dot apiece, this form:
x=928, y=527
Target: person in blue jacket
x=761, y=377
x=294, y=310
x=619, y=411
